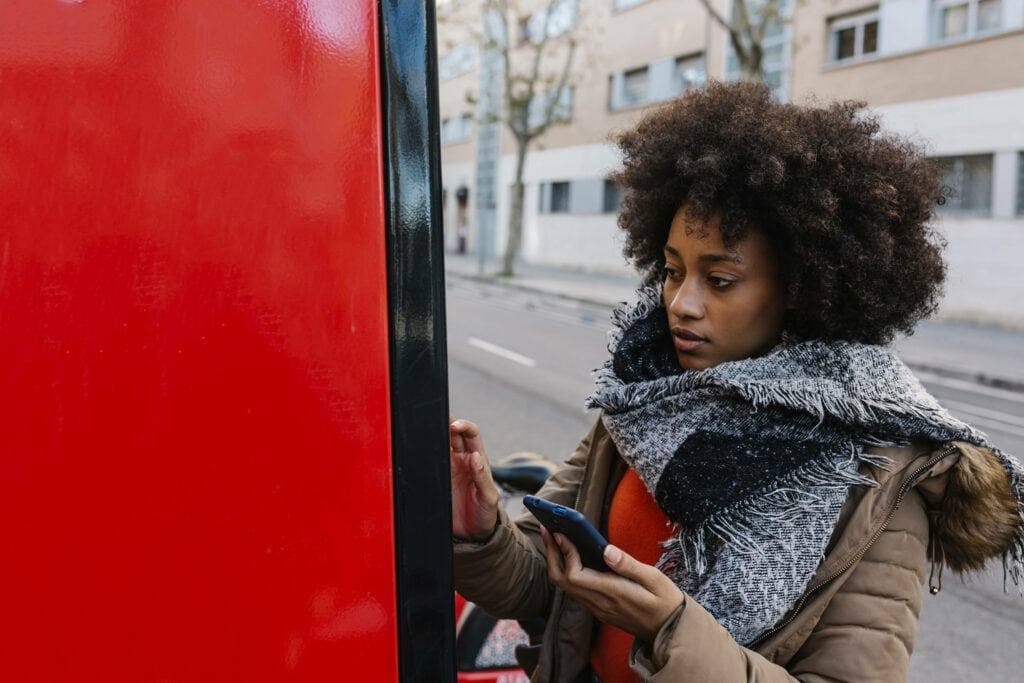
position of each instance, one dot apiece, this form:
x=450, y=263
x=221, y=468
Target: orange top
x=638, y=526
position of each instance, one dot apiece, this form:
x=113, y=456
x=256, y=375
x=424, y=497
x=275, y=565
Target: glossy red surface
x=195, y=477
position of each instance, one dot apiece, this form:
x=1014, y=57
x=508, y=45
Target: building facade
x=945, y=72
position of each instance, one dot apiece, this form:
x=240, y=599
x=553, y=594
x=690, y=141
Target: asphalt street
x=520, y=365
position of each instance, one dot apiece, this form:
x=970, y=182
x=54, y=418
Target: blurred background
x=531, y=92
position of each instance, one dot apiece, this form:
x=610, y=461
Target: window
x=558, y=18
x=634, y=87
x=626, y=4
x=853, y=37
x=554, y=197
x=612, y=197
x=457, y=61
x=777, y=46
x=655, y=82
x=953, y=19
x=970, y=177
x=688, y=72
x=456, y=129
x=559, y=198
x=562, y=111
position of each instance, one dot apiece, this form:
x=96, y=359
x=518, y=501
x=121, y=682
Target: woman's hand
x=475, y=496
x=636, y=598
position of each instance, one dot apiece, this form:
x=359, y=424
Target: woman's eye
x=719, y=282
x=672, y=274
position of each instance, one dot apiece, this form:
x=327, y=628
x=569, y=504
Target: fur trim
x=979, y=518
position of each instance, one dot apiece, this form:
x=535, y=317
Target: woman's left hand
x=634, y=596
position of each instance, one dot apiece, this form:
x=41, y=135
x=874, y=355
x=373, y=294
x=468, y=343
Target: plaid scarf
x=752, y=459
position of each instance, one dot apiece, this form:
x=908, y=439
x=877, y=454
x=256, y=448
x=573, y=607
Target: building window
x=456, y=129
x=655, y=82
x=687, y=73
x=555, y=19
x=620, y=5
x=853, y=37
x=777, y=46
x=952, y=19
x=612, y=197
x=562, y=112
x=970, y=178
x=559, y=198
x=459, y=60
x=629, y=89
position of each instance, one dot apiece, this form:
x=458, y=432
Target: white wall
x=984, y=282
x=984, y=254
x=982, y=122
x=575, y=240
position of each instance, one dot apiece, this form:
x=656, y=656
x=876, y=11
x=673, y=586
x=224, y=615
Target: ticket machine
x=223, y=402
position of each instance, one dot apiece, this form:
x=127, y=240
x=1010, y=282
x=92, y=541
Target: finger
x=451, y=418
x=481, y=469
x=625, y=565
x=554, y=557
x=468, y=429
x=572, y=562
x=456, y=441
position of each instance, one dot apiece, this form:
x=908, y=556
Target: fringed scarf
x=752, y=460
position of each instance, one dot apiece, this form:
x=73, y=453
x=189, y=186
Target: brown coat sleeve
x=507, y=574
x=865, y=633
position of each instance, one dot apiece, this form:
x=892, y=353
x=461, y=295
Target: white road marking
x=995, y=419
x=501, y=351
x=998, y=415
x=972, y=387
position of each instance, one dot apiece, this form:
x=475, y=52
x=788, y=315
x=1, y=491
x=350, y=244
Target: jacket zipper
x=907, y=484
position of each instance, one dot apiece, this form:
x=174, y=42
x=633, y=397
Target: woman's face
x=723, y=304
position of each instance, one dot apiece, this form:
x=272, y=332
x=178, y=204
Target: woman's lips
x=685, y=340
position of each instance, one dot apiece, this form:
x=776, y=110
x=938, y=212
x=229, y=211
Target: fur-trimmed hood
x=974, y=513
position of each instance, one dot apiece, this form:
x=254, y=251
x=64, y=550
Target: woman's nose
x=686, y=301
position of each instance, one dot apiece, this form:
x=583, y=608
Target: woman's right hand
x=475, y=496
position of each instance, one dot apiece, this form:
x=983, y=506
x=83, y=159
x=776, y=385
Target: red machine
x=223, y=453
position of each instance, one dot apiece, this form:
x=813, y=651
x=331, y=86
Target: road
x=520, y=366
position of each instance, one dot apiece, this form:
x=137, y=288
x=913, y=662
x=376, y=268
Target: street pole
x=488, y=141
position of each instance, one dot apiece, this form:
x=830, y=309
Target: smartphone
x=574, y=526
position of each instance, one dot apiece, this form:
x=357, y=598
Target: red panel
x=195, y=477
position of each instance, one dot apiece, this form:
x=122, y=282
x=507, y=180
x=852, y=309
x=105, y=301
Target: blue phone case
x=574, y=526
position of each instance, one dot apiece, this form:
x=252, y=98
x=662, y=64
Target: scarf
x=752, y=459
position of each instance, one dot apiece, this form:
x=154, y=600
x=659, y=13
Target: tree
x=537, y=73
x=747, y=26
x=537, y=44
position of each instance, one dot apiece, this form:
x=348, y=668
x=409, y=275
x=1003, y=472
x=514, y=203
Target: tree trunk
x=515, y=213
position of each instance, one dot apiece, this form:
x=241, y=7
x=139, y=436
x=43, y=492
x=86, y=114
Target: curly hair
x=846, y=207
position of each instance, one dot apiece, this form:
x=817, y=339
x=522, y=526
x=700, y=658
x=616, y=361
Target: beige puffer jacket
x=858, y=620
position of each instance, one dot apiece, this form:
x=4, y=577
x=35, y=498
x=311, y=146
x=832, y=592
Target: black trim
x=419, y=371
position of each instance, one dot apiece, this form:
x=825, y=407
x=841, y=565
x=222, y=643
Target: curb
x=523, y=287
x=980, y=378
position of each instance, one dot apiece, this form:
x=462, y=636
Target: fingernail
x=612, y=555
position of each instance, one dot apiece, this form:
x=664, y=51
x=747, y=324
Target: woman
x=772, y=479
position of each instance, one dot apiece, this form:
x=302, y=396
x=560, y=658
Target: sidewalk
x=987, y=355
